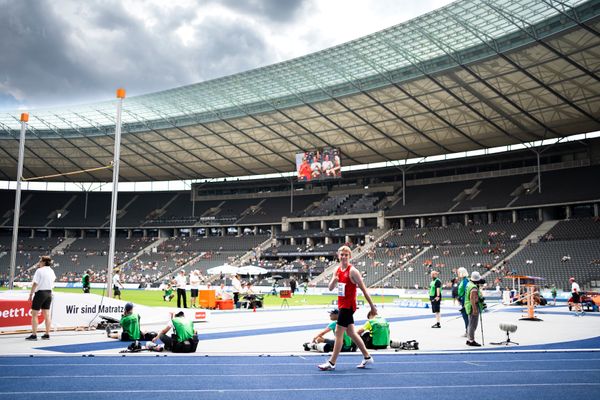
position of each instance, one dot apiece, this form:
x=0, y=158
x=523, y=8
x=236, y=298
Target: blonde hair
x=462, y=272
x=345, y=248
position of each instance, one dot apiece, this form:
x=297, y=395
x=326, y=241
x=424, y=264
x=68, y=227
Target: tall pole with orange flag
x=115, y=192
x=17, y=212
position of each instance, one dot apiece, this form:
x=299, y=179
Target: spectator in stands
x=181, y=284
x=321, y=344
x=435, y=296
x=184, y=339
x=117, y=285
x=194, y=287
x=40, y=296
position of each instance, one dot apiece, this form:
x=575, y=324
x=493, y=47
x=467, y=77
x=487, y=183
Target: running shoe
x=326, y=366
x=31, y=337
x=366, y=361
x=45, y=336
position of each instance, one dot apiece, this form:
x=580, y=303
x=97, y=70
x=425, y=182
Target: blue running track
x=505, y=375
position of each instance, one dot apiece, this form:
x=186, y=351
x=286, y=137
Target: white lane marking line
x=258, y=390
x=179, y=364
x=472, y=363
x=129, y=376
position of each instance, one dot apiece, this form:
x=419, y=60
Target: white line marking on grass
x=320, y=390
x=144, y=376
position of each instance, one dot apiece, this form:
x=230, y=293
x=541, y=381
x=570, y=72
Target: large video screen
x=318, y=165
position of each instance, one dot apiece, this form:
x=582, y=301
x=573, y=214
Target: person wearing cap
x=347, y=280
x=184, y=339
x=130, y=323
x=324, y=345
x=435, y=296
x=40, y=296
x=473, y=306
x=575, y=295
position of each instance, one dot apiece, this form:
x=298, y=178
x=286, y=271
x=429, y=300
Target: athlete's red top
x=346, y=289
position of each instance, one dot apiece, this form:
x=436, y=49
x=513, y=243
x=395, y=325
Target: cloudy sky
x=59, y=52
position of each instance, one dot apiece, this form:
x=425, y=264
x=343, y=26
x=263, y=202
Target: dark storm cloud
x=273, y=10
x=35, y=56
x=61, y=52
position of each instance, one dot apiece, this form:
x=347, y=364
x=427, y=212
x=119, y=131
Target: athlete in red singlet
x=347, y=279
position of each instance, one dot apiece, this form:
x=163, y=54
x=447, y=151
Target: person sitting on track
x=319, y=343
x=130, y=325
x=184, y=339
x=375, y=332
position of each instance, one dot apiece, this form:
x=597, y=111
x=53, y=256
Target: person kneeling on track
x=184, y=339
x=375, y=332
x=130, y=325
x=319, y=343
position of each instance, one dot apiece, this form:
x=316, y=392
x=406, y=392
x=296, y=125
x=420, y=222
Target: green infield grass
x=153, y=298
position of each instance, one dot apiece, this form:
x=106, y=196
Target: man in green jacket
x=435, y=296
x=184, y=339
x=130, y=323
x=85, y=281
x=375, y=332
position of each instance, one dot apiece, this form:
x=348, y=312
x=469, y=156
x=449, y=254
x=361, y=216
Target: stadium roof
x=472, y=75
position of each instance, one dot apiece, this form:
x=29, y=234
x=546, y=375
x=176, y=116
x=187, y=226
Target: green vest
x=131, y=324
x=184, y=328
x=432, y=288
x=468, y=305
x=380, y=331
x=85, y=280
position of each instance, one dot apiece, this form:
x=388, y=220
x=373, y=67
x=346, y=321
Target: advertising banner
x=70, y=310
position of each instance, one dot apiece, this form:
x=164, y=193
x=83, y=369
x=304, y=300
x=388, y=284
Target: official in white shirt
x=41, y=296
x=181, y=283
